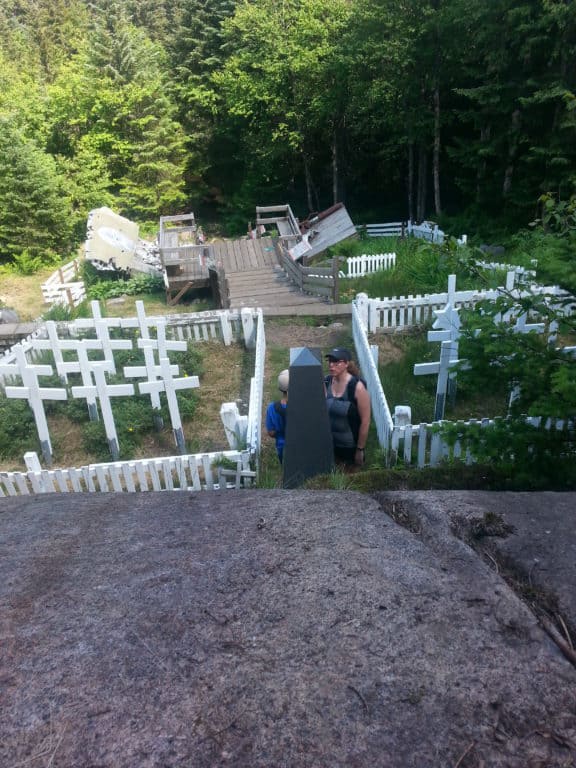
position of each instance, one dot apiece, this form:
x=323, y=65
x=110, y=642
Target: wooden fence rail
x=318, y=281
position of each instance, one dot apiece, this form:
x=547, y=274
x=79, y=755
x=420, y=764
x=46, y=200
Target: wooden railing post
x=336, y=279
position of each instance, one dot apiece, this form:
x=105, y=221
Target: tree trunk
x=513, y=145
x=421, y=194
x=481, y=170
x=410, y=181
x=309, y=185
x=436, y=155
x=335, y=180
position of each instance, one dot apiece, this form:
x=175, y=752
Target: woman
x=348, y=404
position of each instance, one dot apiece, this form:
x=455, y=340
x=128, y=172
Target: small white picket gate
x=367, y=264
x=426, y=230
x=63, y=286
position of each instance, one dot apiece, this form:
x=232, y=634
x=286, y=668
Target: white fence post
x=235, y=425
x=362, y=307
x=248, y=327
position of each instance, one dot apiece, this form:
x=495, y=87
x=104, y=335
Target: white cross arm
x=7, y=369
x=440, y=335
x=422, y=369
x=90, y=322
x=112, y=390
x=45, y=393
x=131, y=371
x=68, y=344
x=75, y=367
x=147, y=387
x=171, y=346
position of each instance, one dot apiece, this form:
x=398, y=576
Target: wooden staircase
x=255, y=279
x=268, y=288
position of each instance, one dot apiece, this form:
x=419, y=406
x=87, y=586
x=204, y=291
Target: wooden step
x=267, y=288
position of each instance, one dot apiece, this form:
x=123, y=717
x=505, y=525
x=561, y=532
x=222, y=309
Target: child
x=276, y=415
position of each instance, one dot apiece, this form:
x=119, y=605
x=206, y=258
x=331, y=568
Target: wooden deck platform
x=244, y=255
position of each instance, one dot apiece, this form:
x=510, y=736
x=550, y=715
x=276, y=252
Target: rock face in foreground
x=267, y=628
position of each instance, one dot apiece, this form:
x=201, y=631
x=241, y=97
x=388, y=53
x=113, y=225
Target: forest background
x=447, y=109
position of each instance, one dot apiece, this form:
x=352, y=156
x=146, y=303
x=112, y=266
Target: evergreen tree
x=196, y=52
x=35, y=220
x=518, y=75
x=114, y=102
x=154, y=181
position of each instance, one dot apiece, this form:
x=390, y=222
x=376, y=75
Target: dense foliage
x=400, y=108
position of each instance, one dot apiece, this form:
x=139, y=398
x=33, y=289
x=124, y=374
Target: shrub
x=16, y=424
x=138, y=284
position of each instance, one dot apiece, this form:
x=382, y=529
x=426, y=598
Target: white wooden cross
x=57, y=345
x=169, y=385
x=85, y=368
x=104, y=392
x=141, y=321
x=448, y=359
x=52, y=343
x=521, y=326
x=446, y=329
x=102, y=327
x=150, y=370
x=34, y=393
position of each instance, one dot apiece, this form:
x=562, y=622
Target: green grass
x=421, y=267
x=402, y=387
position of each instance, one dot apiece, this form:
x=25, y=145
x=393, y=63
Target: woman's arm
x=363, y=404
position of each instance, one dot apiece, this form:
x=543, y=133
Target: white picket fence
x=422, y=445
x=522, y=276
x=63, y=286
x=219, y=470
x=216, y=470
x=426, y=230
x=401, y=312
x=367, y=264
x=225, y=326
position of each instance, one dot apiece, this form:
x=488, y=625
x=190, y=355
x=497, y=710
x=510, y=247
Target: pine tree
x=35, y=218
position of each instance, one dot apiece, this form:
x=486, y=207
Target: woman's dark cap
x=339, y=353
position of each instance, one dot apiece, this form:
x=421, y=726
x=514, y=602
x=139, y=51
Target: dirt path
x=294, y=332
x=289, y=332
